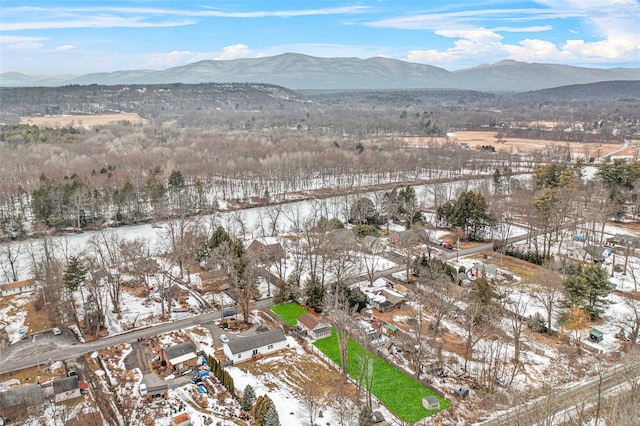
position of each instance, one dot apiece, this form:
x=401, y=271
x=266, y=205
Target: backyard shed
x=431, y=403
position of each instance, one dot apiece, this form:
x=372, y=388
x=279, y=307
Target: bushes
x=527, y=256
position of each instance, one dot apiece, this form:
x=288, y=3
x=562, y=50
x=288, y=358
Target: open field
x=478, y=138
x=81, y=120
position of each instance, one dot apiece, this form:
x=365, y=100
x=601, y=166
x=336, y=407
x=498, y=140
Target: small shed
x=389, y=329
x=431, y=403
x=596, y=335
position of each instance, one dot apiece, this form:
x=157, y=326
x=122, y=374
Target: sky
x=84, y=36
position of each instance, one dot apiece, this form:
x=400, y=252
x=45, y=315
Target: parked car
x=71, y=373
x=56, y=331
x=447, y=246
x=142, y=389
x=224, y=338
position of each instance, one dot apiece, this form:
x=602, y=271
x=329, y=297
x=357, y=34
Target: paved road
x=26, y=357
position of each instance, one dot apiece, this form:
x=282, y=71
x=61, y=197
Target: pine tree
x=271, y=417
x=74, y=275
x=248, y=398
x=259, y=409
x=589, y=289
x=263, y=404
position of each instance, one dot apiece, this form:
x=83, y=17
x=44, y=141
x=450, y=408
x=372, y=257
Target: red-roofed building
x=181, y=420
x=313, y=327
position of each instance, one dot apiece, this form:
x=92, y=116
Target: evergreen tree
x=260, y=408
x=588, y=288
x=74, y=274
x=248, y=398
x=271, y=417
x=470, y=212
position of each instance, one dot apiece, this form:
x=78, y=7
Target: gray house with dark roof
x=18, y=403
x=67, y=388
x=255, y=346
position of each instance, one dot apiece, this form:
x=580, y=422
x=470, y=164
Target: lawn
x=394, y=388
x=289, y=312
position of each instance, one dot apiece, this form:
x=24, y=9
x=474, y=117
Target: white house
x=17, y=287
x=255, y=346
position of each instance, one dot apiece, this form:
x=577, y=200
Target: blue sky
x=77, y=37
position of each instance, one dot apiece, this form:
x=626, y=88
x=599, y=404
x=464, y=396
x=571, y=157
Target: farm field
x=478, y=138
x=82, y=120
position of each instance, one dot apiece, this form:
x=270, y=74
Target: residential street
x=25, y=355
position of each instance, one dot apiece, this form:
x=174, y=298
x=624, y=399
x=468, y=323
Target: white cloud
x=171, y=59
x=25, y=45
x=7, y=39
x=534, y=29
x=66, y=47
x=233, y=52
x=103, y=21
x=112, y=16
x=477, y=35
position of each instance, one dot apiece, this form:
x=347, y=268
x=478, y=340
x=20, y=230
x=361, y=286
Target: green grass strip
x=289, y=312
x=399, y=392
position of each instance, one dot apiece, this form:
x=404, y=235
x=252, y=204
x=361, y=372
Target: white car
x=224, y=338
x=56, y=331
x=142, y=389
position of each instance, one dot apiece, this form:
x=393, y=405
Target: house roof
x=270, y=252
x=393, y=297
x=311, y=322
x=400, y=288
x=100, y=275
x=176, y=351
x=29, y=395
x=257, y=341
x=406, y=237
x=183, y=358
x=65, y=385
x=17, y=284
x=181, y=418
x=488, y=268
x=596, y=252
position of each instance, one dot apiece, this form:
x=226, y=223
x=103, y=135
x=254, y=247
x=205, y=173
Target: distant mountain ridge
x=297, y=71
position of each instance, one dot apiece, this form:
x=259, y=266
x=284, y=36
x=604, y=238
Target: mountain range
x=297, y=71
